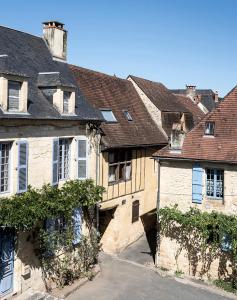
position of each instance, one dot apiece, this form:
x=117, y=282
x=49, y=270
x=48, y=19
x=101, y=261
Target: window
x=66, y=99
x=209, y=128
x=63, y=164
x=120, y=165
x=108, y=115
x=14, y=88
x=215, y=183
x=135, y=211
x=4, y=172
x=127, y=115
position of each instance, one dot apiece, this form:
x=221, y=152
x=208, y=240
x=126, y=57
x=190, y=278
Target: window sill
x=15, y=112
x=208, y=136
x=118, y=181
x=214, y=198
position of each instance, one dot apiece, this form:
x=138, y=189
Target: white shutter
x=82, y=157
x=55, y=161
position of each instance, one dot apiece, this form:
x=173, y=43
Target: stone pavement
x=127, y=277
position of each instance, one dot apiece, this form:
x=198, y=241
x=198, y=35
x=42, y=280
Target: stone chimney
x=56, y=38
x=191, y=91
x=216, y=97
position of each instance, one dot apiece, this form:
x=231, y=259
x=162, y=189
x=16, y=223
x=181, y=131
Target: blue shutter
x=82, y=163
x=77, y=224
x=55, y=161
x=197, y=183
x=22, y=166
x=226, y=243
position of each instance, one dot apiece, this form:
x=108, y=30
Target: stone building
x=133, y=131
x=202, y=173
x=170, y=112
x=46, y=135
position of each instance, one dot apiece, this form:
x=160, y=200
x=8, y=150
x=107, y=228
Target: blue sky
x=176, y=42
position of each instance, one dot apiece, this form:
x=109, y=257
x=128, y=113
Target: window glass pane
x=5, y=151
x=66, y=98
x=82, y=148
x=108, y=115
x=112, y=173
x=13, y=95
x=128, y=171
x=127, y=115
x=63, y=166
x=209, y=128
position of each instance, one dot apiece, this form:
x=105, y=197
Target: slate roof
x=27, y=55
x=220, y=148
x=110, y=92
x=207, y=97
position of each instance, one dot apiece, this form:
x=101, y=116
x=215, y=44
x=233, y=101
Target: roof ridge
x=97, y=72
x=132, y=76
x=20, y=31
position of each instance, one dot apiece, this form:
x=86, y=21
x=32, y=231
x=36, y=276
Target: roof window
x=209, y=128
x=108, y=115
x=127, y=115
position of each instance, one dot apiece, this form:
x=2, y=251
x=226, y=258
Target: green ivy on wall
x=205, y=237
x=62, y=260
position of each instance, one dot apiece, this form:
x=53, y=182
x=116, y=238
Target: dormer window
x=66, y=99
x=127, y=115
x=108, y=115
x=14, y=88
x=13, y=93
x=210, y=128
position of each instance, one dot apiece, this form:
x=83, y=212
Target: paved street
x=123, y=279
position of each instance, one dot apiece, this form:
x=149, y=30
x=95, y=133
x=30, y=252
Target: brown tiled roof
x=160, y=96
x=223, y=146
x=110, y=92
x=197, y=113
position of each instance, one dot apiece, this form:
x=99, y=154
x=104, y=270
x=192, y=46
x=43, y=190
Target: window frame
x=8, y=95
x=135, y=211
x=8, y=167
x=210, y=123
x=69, y=94
x=62, y=161
x=120, y=165
x=215, y=197
x=112, y=114
x=127, y=115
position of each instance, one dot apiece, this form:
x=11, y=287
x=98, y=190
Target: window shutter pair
x=82, y=159
x=197, y=183
x=22, y=166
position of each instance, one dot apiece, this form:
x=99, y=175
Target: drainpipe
x=157, y=213
x=97, y=178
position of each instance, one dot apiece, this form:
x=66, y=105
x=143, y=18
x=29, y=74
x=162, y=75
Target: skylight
x=127, y=115
x=108, y=115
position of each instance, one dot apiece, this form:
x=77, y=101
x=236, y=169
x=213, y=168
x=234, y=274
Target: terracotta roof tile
x=105, y=91
x=220, y=147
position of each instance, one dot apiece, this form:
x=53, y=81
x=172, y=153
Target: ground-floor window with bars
x=63, y=166
x=120, y=165
x=4, y=173
x=215, y=183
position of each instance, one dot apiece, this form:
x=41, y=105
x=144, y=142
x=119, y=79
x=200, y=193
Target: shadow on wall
x=149, y=221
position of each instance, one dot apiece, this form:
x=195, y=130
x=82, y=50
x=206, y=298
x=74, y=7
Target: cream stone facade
x=176, y=188
x=40, y=136
x=121, y=231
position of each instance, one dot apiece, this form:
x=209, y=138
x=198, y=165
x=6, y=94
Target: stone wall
x=176, y=188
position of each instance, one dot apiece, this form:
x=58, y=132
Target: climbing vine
x=62, y=260
x=205, y=237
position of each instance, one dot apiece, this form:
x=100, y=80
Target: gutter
x=158, y=214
